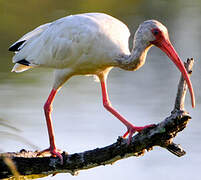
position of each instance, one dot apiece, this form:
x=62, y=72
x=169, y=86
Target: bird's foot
x=132, y=129
x=54, y=152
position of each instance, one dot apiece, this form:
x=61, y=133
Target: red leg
x=131, y=129
x=48, y=109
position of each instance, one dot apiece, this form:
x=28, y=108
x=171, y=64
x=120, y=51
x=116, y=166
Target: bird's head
x=152, y=32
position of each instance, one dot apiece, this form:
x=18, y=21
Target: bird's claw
x=132, y=129
x=53, y=152
x=129, y=133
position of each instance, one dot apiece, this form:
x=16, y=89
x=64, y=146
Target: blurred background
x=80, y=121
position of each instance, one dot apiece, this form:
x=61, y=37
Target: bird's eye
x=155, y=32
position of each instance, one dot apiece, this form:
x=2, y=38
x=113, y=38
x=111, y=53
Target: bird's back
x=76, y=41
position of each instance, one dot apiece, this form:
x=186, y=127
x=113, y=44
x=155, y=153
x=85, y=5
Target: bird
x=91, y=44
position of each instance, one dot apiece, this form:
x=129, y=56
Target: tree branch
x=162, y=134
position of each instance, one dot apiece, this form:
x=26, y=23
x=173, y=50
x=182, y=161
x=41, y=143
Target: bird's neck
x=136, y=59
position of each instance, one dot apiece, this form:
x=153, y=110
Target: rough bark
x=162, y=134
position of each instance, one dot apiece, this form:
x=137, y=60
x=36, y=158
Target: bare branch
x=182, y=87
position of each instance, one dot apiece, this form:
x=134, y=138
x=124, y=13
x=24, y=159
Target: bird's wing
x=20, y=43
x=55, y=46
x=74, y=41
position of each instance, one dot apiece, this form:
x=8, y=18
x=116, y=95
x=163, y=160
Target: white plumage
x=90, y=43
x=75, y=42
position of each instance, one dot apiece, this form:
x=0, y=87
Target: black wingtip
x=24, y=62
x=16, y=46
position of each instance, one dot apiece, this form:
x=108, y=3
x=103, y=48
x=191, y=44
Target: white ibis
x=90, y=44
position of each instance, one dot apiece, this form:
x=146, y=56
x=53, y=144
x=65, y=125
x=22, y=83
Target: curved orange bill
x=166, y=46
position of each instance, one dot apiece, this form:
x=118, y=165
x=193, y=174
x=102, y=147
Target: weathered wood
x=182, y=87
x=162, y=134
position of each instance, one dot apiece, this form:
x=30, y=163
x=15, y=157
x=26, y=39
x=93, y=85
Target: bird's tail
x=20, y=68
